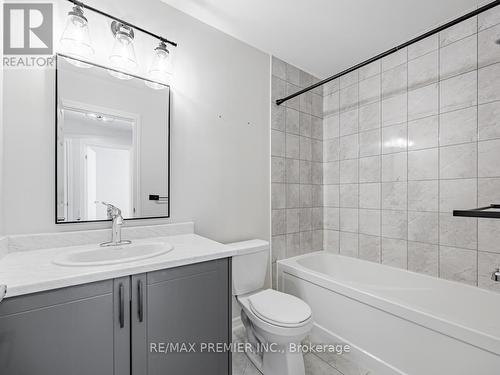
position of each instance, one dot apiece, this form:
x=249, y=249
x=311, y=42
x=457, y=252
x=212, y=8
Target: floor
x=321, y=364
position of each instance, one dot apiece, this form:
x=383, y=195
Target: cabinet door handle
x=140, y=304
x=121, y=307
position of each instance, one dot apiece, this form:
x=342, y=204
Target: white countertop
x=25, y=272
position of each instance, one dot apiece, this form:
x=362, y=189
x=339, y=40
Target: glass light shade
x=159, y=70
x=75, y=39
x=122, y=55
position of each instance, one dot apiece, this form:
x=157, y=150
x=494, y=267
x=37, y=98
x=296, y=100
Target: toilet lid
x=279, y=308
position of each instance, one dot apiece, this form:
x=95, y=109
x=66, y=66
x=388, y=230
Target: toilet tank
x=249, y=270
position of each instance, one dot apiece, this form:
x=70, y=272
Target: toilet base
x=277, y=361
x=281, y=363
x=256, y=360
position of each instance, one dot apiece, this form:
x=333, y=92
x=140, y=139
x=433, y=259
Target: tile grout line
x=300, y=184
x=338, y=179
x=336, y=114
x=380, y=161
x=286, y=174
x=407, y=157
x=341, y=111
x=439, y=152
x=327, y=363
x=477, y=149
x=478, y=67
x=357, y=164
x=439, y=157
x=393, y=153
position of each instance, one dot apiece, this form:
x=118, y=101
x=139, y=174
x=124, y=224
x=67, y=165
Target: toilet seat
x=279, y=309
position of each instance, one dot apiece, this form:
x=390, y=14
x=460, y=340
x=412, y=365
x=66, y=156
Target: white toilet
x=273, y=320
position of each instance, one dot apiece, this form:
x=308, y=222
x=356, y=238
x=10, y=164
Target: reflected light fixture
x=159, y=70
x=122, y=55
x=99, y=117
x=75, y=38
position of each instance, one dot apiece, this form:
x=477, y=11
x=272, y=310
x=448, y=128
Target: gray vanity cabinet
x=186, y=305
x=108, y=327
x=64, y=331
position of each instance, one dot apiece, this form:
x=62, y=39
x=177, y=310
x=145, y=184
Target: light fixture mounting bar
x=82, y=5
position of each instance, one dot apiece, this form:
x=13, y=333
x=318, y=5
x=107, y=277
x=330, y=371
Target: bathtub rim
x=455, y=330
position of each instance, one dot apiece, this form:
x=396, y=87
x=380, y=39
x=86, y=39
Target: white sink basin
x=100, y=256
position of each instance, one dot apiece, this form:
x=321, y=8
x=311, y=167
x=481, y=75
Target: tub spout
x=495, y=276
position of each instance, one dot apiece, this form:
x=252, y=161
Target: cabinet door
x=65, y=331
x=121, y=325
x=189, y=304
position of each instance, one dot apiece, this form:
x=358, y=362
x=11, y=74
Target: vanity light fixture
x=76, y=44
x=122, y=55
x=75, y=38
x=159, y=70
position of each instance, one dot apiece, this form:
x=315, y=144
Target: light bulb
x=75, y=39
x=159, y=70
x=122, y=55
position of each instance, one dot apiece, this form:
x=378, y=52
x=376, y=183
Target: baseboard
x=376, y=365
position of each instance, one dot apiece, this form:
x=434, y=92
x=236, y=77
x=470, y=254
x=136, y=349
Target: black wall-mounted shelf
x=491, y=212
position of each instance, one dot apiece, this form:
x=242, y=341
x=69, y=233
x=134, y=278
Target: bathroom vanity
x=105, y=326
x=119, y=318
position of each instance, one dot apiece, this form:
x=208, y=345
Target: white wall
x=220, y=132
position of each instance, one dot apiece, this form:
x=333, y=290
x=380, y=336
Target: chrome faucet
x=115, y=214
x=495, y=276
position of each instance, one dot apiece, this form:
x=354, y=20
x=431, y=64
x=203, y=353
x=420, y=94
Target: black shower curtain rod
x=392, y=50
x=81, y=4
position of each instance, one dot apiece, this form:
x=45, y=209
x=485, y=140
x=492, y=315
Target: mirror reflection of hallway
x=108, y=180
x=102, y=124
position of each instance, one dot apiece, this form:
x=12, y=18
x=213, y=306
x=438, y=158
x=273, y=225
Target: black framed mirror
x=112, y=143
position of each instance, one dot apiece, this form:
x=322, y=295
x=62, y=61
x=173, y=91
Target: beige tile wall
x=297, y=164
x=409, y=138
x=403, y=142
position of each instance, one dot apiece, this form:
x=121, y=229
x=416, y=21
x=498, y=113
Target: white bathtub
x=399, y=322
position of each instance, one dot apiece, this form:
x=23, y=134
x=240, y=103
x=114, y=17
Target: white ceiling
x=324, y=37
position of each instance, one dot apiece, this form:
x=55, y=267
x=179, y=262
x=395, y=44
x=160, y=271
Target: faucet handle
x=113, y=211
